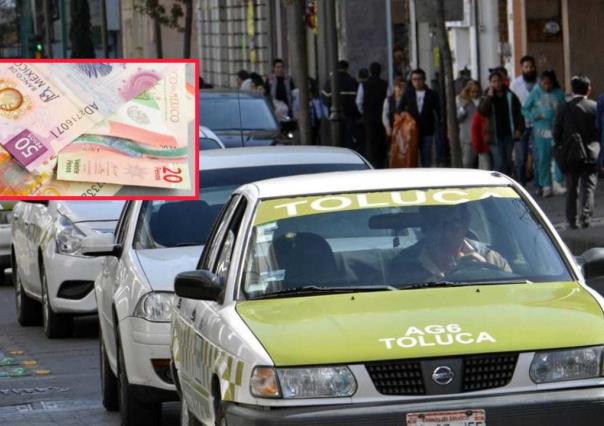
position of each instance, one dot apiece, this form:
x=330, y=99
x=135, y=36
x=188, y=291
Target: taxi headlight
x=68, y=237
x=155, y=306
x=573, y=364
x=303, y=382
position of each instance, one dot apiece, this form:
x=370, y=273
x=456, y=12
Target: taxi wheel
x=28, y=309
x=219, y=412
x=55, y=325
x=133, y=411
x=108, y=381
x=186, y=417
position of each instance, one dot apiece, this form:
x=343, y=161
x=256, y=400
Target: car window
x=225, y=253
x=121, y=228
x=207, y=143
x=208, y=259
x=230, y=113
x=400, y=239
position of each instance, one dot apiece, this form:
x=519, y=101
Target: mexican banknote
x=45, y=106
x=145, y=143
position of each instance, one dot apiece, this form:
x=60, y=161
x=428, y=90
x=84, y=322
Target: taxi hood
x=423, y=323
x=163, y=264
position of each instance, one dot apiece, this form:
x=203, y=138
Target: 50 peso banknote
x=45, y=106
x=146, y=143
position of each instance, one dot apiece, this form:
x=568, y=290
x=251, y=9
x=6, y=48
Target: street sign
x=425, y=10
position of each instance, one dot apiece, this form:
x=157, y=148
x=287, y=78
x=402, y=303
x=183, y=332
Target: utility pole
x=188, y=30
x=296, y=40
x=335, y=118
x=104, y=40
x=47, y=28
x=447, y=70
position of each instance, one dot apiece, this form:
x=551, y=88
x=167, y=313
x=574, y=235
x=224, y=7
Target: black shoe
x=573, y=226
x=585, y=224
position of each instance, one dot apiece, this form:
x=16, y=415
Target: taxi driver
x=446, y=244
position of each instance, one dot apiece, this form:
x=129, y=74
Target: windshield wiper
x=444, y=283
x=434, y=284
x=309, y=290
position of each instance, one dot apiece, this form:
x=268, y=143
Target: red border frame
x=195, y=62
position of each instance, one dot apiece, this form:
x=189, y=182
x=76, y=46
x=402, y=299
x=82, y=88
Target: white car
x=154, y=241
x=48, y=265
x=409, y=297
x=5, y=237
x=208, y=139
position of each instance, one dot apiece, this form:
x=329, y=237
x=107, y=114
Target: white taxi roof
x=375, y=180
x=276, y=155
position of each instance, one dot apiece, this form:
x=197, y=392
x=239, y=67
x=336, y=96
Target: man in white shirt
x=522, y=87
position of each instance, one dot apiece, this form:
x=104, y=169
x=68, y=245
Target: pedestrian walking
x=390, y=104
x=600, y=126
x=540, y=109
x=348, y=93
x=370, y=102
x=423, y=104
x=244, y=82
x=506, y=123
x=578, y=148
x=467, y=105
x=480, y=140
x=522, y=86
x=279, y=85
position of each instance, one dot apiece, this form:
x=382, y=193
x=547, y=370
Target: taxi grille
x=397, y=378
x=488, y=372
x=478, y=373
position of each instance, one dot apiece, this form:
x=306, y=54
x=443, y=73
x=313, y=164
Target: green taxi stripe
x=239, y=373
x=227, y=371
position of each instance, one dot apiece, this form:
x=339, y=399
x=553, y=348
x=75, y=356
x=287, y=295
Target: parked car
x=6, y=213
x=243, y=118
x=155, y=240
x=416, y=296
x=208, y=139
x=52, y=276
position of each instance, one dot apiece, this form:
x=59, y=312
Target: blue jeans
x=502, y=155
x=522, y=149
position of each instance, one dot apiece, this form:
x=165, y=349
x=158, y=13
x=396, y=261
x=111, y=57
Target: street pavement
x=62, y=382
x=63, y=386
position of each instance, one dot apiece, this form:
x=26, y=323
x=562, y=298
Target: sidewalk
x=578, y=240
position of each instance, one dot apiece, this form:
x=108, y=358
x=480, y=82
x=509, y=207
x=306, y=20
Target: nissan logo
x=442, y=375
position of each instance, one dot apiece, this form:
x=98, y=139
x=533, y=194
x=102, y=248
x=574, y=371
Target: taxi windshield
x=397, y=240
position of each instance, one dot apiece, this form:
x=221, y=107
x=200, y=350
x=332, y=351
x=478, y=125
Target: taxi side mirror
x=199, y=285
x=592, y=262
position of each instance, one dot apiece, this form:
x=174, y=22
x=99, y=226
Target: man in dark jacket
x=348, y=92
x=422, y=103
x=506, y=123
x=578, y=117
x=370, y=101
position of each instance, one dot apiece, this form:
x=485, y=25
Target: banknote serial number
x=93, y=190
x=68, y=123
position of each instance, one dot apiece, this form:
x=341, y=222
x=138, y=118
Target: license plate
x=448, y=418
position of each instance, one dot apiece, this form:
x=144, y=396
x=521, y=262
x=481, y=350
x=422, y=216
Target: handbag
x=573, y=153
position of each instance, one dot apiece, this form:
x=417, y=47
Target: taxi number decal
x=436, y=335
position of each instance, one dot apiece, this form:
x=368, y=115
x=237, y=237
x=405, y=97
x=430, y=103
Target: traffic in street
x=69, y=378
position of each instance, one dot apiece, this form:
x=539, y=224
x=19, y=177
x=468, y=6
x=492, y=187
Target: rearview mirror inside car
x=198, y=285
x=100, y=245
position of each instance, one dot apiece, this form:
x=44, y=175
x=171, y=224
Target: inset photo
x=99, y=128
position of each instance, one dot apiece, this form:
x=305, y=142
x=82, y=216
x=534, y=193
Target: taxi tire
x=109, y=382
x=133, y=411
x=55, y=325
x=219, y=410
x=28, y=309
